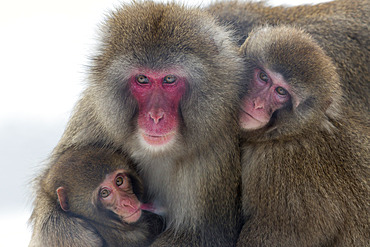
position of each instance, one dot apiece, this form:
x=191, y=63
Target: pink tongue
x=148, y=207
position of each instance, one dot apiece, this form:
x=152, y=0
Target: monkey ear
x=243, y=47
x=63, y=199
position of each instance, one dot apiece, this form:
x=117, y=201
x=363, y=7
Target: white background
x=44, y=46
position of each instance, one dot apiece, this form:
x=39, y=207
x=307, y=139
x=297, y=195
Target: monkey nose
x=129, y=204
x=156, y=116
x=258, y=104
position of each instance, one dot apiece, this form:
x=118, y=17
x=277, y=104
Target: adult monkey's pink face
x=158, y=93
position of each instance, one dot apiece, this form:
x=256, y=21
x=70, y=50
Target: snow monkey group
x=235, y=124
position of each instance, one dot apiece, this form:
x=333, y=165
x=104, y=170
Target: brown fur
x=305, y=175
x=341, y=28
x=80, y=172
x=198, y=178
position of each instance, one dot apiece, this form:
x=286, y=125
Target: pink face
x=117, y=195
x=158, y=94
x=268, y=92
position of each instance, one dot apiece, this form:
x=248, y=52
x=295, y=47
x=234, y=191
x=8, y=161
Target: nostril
x=257, y=104
x=156, y=116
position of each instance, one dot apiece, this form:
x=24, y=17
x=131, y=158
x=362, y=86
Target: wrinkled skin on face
x=158, y=94
x=268, y=92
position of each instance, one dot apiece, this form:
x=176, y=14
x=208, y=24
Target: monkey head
x=153, y=75
x=114, y=194
x=97, y=186
x=291, y=82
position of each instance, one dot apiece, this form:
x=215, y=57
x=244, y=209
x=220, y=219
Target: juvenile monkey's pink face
x=116, y=194
x=268, y=92
x=158, y=93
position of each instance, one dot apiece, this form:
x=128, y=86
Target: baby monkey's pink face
x=268, y=92
x=116, y=194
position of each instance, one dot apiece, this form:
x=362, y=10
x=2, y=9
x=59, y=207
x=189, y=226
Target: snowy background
x=44, y=47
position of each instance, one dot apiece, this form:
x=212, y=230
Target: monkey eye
x=169, y=79
x=281, y=91
x=263, y=76
x=120, y=180
x=104, y=193
x=142, y=79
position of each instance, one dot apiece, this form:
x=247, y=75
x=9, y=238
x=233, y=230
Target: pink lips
x=135, y=216
x=158, y=140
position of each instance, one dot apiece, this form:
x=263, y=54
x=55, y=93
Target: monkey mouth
x=157, y=140
x=249, y=122
x=132, y=218
x=249, y=115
